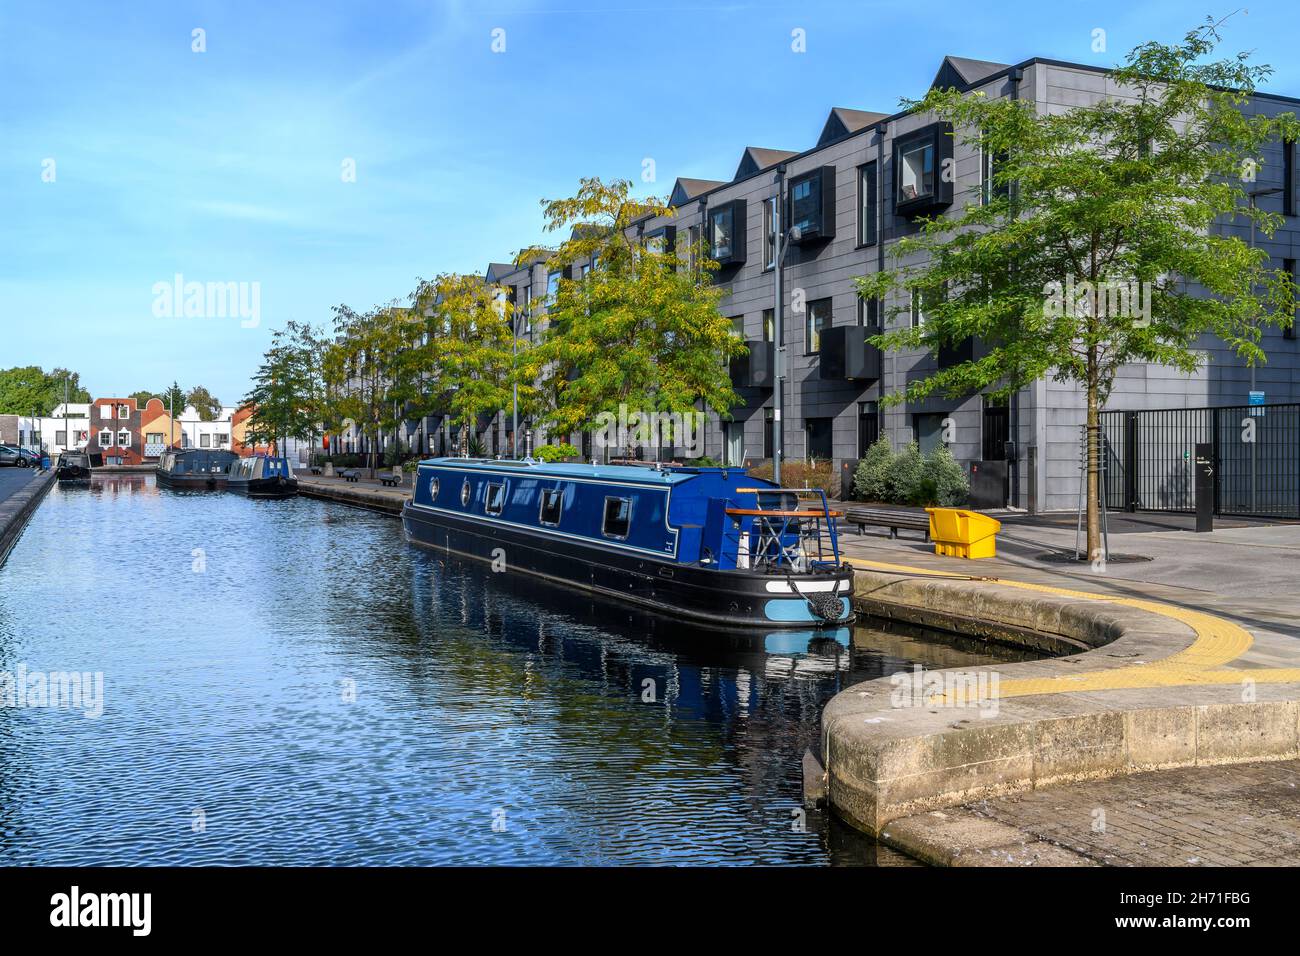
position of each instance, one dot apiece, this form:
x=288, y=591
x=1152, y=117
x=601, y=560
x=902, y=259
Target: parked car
x=9, y=455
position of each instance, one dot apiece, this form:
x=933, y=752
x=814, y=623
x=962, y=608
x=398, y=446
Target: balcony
x=756, y=368
x=845, y=355
x=920, y=160
x=812, y=206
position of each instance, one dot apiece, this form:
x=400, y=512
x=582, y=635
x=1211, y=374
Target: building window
x=769, y=233
x=618, y=518
x=869, y=313
x=692, y=253
x=929, y=431
x=868, y=187
x=868, y=426
x=918, y=309
x=124, y=439
x=812, y=205
x=820, y=444
x=105, y=411
x=205, y=441
x=916, y=172
x=106, y=439
x=551, y=507
x=495, y=499
x=817, y=317
x=733, y=439
x=768, y=444
x=727, y=233
x=722, y=228
x=61, y=439
x=1288, y=177
x=769, y=325
x=124, y=411
x=552, y=287
x=1290, y=266
x=222, y=439
x=528, y=310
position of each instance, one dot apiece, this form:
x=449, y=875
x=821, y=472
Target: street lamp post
x=782, y=238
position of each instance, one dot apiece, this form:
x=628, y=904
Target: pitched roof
x=496, y=271
x=756, y=159
x=961, y=73
x=843, y=122
x=684, y=190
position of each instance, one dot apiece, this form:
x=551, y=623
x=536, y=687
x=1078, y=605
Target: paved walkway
x=1239, y=815
x=13, y=479
x=1235, y=589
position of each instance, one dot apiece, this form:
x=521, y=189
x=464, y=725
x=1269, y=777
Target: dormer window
x=812, y=205
x=920, y=160
x=124, y=411
x=727, y=233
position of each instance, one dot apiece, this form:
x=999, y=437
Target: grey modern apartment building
x=852, y=195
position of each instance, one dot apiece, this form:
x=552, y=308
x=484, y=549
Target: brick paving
x=1238, y=815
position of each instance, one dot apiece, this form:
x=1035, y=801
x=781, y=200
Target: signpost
x=1204, y=487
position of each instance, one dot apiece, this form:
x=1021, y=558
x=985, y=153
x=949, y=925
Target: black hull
x=264, y=488
x=733, y=599
x=191, y=482
x=73, y=476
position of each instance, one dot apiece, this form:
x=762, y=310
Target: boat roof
x=641, y=474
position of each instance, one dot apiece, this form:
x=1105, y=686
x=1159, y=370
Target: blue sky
x=227, y=165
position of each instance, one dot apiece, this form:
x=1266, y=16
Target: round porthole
x=464, y=493
x=433, y=488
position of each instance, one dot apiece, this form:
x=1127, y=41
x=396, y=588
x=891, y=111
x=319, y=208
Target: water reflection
x=314, y=691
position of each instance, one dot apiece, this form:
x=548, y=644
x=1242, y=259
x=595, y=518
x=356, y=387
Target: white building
x=196, y=433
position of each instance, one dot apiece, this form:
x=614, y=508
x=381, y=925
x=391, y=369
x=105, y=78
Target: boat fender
x=824, y=605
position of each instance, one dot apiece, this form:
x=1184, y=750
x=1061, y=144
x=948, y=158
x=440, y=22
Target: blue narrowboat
x=261, y=476
x=712, y=545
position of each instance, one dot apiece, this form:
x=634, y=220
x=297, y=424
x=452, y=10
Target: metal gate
x=1151, y=456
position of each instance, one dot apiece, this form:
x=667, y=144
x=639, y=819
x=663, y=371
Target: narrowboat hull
x=192, y=482
x=277, y=487
x=721, y=598
x=73, y=474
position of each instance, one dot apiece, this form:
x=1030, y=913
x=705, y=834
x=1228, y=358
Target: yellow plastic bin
x=958, y=533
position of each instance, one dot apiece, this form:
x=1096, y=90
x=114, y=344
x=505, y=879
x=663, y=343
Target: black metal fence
x=1151, y=457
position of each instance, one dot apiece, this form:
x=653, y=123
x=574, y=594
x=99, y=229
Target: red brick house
x=115, y=432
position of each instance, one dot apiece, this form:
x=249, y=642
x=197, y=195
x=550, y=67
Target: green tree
x=174, y=399
x=142, y=398
x=1116, y=197
x=357, y=367
x=29, y=389
x=470, y=350
x=286, y=396
x=642, y=328
x=205, y=403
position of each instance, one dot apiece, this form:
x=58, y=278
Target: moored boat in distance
x=262, y=476
x=200, y=469
x=712, y=545
x=72, y=467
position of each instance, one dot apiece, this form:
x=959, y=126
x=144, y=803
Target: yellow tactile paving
x=1217, y=643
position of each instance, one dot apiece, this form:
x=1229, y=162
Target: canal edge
x=1151, y=691
x=17, y=510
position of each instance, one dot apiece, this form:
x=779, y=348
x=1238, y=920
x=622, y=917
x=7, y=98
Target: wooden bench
x=888, y=518
x=389, y=480
x=350, y=474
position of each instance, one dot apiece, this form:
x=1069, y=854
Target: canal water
x=290, y=683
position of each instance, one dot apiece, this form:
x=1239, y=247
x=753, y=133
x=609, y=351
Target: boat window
x=552, y=504
x=495, y=499
x=464, y=493
x=433, y=488
x=618, y=517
